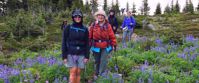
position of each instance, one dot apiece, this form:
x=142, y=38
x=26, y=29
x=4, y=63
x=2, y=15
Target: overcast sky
x=152, y=3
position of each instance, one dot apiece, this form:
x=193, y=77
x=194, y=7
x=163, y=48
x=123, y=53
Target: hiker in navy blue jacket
x=128, y=26
x=75, y=46
x=64, y=25
x=113, y=20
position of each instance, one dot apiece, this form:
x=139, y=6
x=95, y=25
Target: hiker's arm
x=87, y=45
x=123, y=24
x=111, y=36
x=90, y=34
x=64, y=43
x=134, y=22
x=116, y=23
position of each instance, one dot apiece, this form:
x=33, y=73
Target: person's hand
x=85, y=60
x=125, y=28
x=114, y=27
x=114, y=48
x=65, y=61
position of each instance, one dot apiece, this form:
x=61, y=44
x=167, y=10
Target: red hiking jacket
x=102, y=37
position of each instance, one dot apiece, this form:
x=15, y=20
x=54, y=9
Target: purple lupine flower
x=177, y=81
x=193, y=57
x=146, y=63
x=189, y=38
x=18, y=62
x=52, y=61
x=23, y=65
x=26, y=72
x=182, y=55
x=59, y=62
x=47, y=81
x=6, y=81
x=30, y=62
x=32, y=81
x=197, y=81
x=151, y=74
x=41, y=60
x=15, y=72
x=149, y=80
x=56, y=80
x=116, y=68
x=140, y=80
x=159, y=49
x=55, y=51
x=65, y=79
x=167, y=81
x=158, y=41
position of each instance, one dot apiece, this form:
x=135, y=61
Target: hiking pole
x=84, y=74
x=116, y=64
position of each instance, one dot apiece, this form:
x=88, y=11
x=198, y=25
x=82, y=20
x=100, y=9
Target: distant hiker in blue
x=128, y=26
x=113, y=20
x=75, y=46
x=64, y=24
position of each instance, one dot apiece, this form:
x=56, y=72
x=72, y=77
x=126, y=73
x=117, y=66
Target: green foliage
x=26, y=25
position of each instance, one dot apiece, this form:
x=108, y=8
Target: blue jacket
x=127, y=22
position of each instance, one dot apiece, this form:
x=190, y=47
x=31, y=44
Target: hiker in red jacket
x=102, y=41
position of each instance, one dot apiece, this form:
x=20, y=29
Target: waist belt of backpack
x=102, y=41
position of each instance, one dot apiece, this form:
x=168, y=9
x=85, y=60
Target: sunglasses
x=77, y=16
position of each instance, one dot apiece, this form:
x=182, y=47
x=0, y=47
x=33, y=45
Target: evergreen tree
x=87, y=6
x=127, y=6
x=186, y=8
x=112, y=4
x=12, y=5
x=94, y=5
x=172, y=6
x=77, y=4
x=191, y=7
x=198, y=7
x=117, y=8
x=177, y=7
x=146, y=8
x=158, y=9
x=61, y=4
x=134, y=8
x=105, y=5
x=167, y=9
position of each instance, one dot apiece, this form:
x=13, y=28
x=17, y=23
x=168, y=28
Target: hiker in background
x=75, y=46
x=102, y=41
x=128, y=26
x=113, y=21
x=64, y=25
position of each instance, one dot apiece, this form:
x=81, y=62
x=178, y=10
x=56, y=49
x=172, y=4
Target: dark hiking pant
x=101, y=61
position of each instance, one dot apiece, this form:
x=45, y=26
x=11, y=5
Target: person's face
x=100, y=17
x=65, y=22
x=128, y=14
x=111, y=13
x=77, y=19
